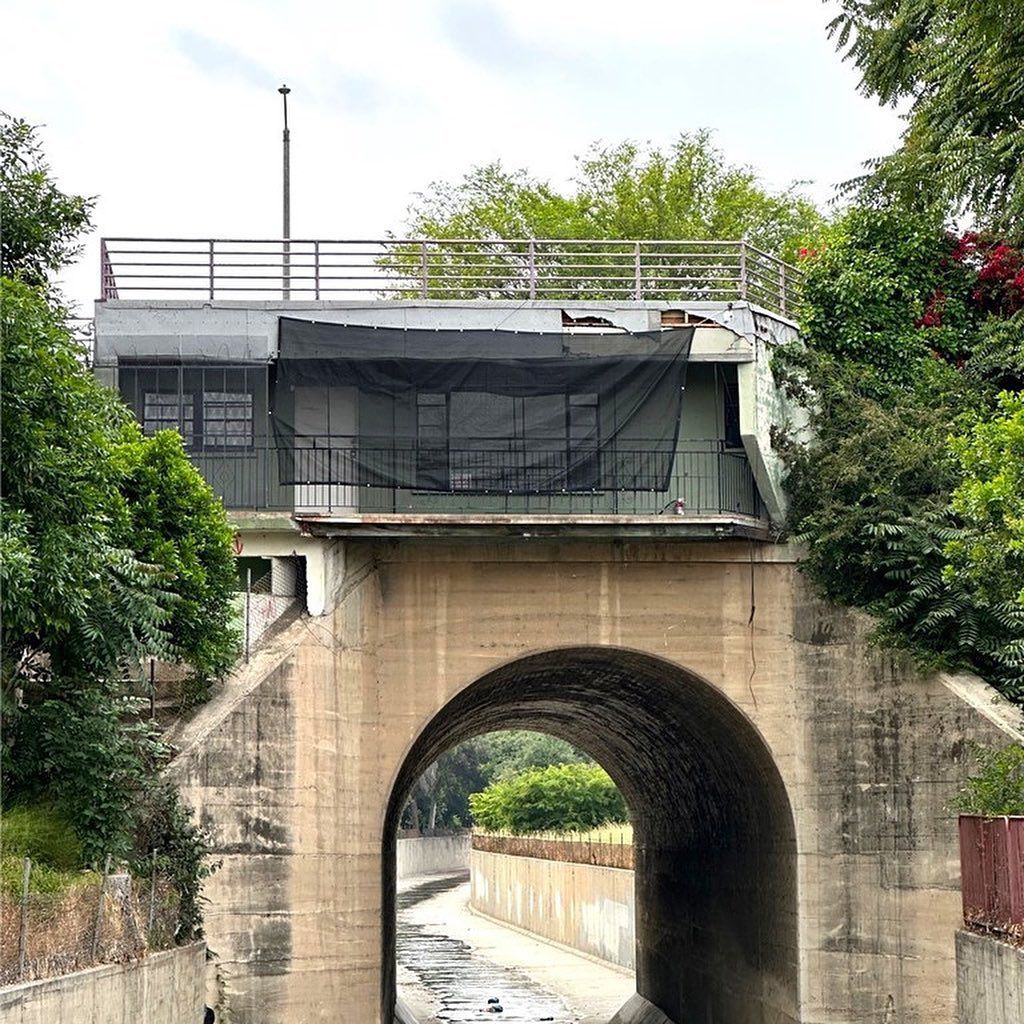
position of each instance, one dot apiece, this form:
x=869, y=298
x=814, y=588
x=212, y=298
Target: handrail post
x=782, y=287
x=638, y=286
x=533, y=268
x=103, y=269
x=423, y=269
x=211, y=268
x=316, y=269
x=743, y=270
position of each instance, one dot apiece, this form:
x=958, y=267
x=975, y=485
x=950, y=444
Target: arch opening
x=714, y=839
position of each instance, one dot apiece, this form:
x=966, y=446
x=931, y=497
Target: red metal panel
x=992, y=872
x=1015, y=868
x=972, y=887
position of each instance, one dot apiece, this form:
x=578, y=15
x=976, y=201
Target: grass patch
x=42, y=833
x=44, y=879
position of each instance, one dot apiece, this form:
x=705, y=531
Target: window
x=227, y=419
x=168, y=411
x=214, y=408
x=731, y=409
x=484, y=441
x=584, y=462
x=432, y=441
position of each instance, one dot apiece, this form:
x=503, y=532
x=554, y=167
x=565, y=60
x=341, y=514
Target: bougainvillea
x=905, y=495
x=998, y=270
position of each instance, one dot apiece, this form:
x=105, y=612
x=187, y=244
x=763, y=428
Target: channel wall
x=162, y=988
x=584, y=906
x=433, y=855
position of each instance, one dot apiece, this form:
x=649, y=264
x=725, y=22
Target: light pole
x=287, y=195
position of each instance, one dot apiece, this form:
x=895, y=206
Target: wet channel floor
x=463, y=983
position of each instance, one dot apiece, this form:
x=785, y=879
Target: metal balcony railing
x=705, y=478
x=458, y=268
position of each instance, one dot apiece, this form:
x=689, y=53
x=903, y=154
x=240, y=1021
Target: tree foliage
x=41, y=224
x=561, y=797
x=624, y=191
x=513, y=751
x=112, y=549
x=176, y=522
x=988, y=554
x=998, y=787
x=442, y=793
x=957, y=67
x=899, y=361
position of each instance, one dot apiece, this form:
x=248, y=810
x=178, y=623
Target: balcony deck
x=710, y=492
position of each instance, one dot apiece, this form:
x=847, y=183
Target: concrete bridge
x=796, y=860
x=789, y=784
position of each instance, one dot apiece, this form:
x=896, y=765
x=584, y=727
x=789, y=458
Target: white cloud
x=169, y=112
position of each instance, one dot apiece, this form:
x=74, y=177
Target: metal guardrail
x=457, y=268
x=992, y=873
x=706, y=478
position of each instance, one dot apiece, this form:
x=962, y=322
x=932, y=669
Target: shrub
x=561, y=797
x=998, y=787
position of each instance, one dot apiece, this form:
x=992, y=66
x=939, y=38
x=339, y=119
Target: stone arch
x=716, y=875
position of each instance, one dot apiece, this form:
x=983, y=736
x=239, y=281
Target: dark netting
x=478, y=411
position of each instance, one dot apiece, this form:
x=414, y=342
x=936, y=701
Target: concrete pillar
x=283, y=576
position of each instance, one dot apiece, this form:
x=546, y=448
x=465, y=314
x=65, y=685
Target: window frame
x=572, y=445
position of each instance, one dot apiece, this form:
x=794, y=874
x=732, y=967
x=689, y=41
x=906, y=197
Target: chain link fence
x=52, y=927
x=266, y=595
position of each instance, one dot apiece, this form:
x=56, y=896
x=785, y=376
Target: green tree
x=956, y=65
x=688, y=191
x=513, y=751
x=442, y=793
x=560, y=797
x=112, y=549
x=988, y=556
x=41, y=224
x=869, y=286
x=903, y=340
x=176, y=522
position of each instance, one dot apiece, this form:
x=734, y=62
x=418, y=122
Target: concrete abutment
x=795, y=858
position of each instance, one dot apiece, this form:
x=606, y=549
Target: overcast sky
x=169, y=113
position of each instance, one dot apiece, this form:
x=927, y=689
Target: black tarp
x=478, y=410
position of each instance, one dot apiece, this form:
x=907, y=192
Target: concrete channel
x=461, y=983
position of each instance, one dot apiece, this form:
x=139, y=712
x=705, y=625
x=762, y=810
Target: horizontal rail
x=348, y=475
x=453, y=268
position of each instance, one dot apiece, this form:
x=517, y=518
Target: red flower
x=933, y=310
x=966, y=246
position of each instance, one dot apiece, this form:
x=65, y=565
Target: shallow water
x=461, y=982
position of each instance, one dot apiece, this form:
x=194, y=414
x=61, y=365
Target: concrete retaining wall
x=579, y=905
x=162, y=988
x=433, y=855
x=989, y=980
